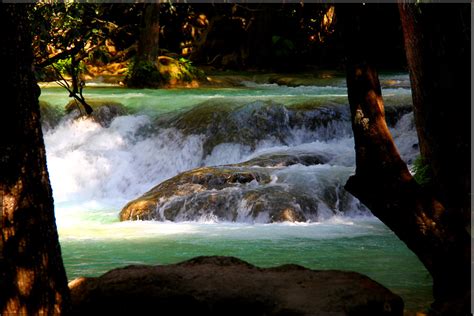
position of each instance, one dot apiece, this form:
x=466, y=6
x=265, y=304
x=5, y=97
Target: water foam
x=99, y=169
x=89, y=162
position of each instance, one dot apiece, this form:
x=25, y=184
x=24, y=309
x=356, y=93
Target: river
x=95, y=169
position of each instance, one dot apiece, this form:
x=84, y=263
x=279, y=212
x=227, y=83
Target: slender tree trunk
x=148, y=42
x=32, y=275
x=259, y=43
x=430, y=227
x=145, y=68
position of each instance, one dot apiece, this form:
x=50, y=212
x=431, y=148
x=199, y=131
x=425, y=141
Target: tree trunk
x=437, y=45
x=145, y=67
x=148, y=42
x=259, y=45
x=430, y=227
x=33, y=279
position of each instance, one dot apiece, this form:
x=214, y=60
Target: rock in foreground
x=229, y=286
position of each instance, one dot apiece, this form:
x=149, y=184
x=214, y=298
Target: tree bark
x=148, y=42
x=437, y=45
x=145, y=71
x=33, y=279
x=428, y=225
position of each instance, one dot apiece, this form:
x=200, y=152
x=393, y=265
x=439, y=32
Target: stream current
x=96, y=167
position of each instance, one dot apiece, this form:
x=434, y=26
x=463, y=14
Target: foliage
x=189, y=71
x=65, y=66
x=65, y=30
x=422, y=171
x=86, y=31
x=99, y=56
x=282, y=47
x=82, y=32
x=167, y=71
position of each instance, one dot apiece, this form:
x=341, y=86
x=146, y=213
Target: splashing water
x=96, y=170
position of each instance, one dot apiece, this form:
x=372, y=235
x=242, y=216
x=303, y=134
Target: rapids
x=95, y=170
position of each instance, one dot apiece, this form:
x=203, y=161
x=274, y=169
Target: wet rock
x=247, y=123
x=234, y=122
x=321, y=78
x=103, y=111
x=240, y=192
x=283, y=159
x=394, y=112
x=229, y=286
x=50, y=116
x=328, y=121
x=193, y=193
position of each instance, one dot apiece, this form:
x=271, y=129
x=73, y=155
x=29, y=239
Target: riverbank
x=230, y=79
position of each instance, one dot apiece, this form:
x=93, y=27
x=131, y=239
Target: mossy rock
x=178, y=71
x=104, y=111
x=234, y=122
x=164, y=72
x=50, y=115
x=395, y=108
x=247, y=123
x=237, y=192
x=186, y=184
x=234, y=202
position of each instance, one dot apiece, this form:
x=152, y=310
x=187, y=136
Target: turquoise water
x=154, y=102
x=95, y=170
x=360, y=244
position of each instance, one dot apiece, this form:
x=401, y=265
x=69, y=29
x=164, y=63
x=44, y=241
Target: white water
x=95, y=170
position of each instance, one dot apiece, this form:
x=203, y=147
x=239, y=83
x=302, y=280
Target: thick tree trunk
x=430, y=227
x=383, y=183
x=437, y=43
x=32, y=275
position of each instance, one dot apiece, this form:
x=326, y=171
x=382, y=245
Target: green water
x=359, y=244
x=93, y=170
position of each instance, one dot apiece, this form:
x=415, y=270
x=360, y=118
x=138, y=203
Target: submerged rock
x=230, y=286
x=104, y=111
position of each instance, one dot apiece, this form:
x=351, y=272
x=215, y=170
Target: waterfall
x=102, y=167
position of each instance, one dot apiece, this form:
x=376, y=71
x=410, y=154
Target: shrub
x=144, y=74
x=422, y=171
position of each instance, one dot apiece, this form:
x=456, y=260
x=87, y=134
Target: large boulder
x=247, y=122
x=238, y=192
x=233, y=121
x=229, y=286
x=200, y=186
